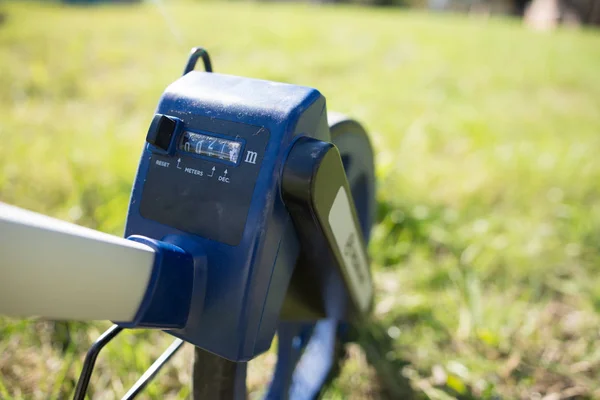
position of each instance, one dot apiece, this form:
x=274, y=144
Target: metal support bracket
x=94, y=351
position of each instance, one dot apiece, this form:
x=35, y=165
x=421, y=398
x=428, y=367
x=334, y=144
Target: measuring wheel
x=249, y=217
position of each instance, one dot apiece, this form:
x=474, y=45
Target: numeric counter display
x=211, y=146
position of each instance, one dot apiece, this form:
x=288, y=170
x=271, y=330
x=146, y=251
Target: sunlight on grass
x=488, y=242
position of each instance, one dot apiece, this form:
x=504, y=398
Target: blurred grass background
x=487, y=250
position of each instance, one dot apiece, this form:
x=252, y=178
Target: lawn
x=487, y=248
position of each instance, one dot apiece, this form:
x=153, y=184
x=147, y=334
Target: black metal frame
x=94, y=351
x=198, y=52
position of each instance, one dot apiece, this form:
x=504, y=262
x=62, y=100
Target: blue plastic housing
x=235, y=307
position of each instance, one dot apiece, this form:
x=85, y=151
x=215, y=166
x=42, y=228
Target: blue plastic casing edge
x=171, y=278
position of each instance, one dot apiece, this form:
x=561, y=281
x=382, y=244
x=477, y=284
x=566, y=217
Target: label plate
x=348, y=242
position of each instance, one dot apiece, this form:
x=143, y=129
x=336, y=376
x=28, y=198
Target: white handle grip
x=58, y=270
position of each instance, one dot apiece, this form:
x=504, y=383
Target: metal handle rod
x=198, y=52
x=90, y=360
x=94, y=351
x=153, y=370
x=58, y=270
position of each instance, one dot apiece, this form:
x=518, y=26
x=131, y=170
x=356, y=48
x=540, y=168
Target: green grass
x=487, y=250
